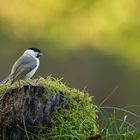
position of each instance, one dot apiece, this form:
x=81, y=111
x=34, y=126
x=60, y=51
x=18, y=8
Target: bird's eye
x=37, y=55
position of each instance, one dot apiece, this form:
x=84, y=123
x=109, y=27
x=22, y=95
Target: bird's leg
x=19, y=84
x=28, y=82
x=25, y=82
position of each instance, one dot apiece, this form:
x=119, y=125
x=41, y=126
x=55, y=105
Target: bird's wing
x=22, y=67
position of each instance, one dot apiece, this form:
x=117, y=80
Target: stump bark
x=23, y=110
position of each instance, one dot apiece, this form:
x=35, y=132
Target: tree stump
x=23, y=110
x=48, y=111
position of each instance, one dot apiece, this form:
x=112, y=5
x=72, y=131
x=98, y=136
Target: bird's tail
x=5, y=80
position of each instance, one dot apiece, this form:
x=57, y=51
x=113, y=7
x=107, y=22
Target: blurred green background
x=92, y=44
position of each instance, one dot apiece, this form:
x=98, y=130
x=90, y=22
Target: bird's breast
x=31, y=73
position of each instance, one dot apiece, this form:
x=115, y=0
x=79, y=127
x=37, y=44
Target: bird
x=25, y=67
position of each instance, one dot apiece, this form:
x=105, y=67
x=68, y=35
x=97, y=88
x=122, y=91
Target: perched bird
x=25, y=67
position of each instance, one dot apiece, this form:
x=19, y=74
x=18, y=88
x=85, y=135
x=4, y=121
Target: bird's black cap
x=35, y=49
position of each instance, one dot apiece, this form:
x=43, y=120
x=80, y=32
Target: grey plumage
x=19, y=70
x=25, y=67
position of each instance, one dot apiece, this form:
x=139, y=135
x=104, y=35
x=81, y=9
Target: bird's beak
x=40, y=54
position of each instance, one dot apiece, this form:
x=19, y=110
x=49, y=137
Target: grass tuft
x=115, y=124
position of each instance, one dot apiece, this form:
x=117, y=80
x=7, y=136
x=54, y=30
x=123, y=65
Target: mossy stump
x=46, y=110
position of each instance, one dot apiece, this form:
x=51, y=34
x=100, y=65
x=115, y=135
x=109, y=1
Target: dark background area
x=93, y=45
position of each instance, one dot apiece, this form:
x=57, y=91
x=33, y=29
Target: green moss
x=76, y=121
x=3, y=89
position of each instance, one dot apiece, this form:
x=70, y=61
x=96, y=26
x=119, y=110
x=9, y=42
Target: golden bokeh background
x=92, y=44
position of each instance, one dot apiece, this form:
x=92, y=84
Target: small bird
x=25, y=67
